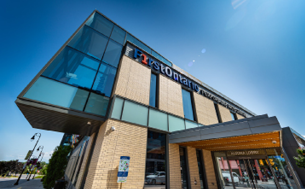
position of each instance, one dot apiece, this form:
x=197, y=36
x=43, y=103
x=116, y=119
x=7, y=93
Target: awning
x=250, y=133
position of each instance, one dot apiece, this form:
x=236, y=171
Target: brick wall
x=205, y=110
x=239, y=116
x=126, y=140
x=209, y=169
x=84, y=163
x=170, y=96
x=133, y=81
x=193, y=167
x=174, y=166
x=224, y=113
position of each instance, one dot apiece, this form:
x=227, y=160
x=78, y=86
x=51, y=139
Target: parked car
x=227, y=178
x=157, y=178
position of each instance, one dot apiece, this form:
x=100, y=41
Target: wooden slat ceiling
x=262, y=140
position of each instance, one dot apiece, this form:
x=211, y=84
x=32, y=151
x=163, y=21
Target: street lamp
x=33, y=137
x=39, y=163
x=39, y=148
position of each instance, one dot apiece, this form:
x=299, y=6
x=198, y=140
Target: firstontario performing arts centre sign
x=144, y=58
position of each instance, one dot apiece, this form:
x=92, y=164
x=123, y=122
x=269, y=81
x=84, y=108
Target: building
x=125, y=99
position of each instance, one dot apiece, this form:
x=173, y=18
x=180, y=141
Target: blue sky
x=250, y=50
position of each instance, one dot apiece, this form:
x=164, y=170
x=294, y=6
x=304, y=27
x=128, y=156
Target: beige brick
x=133, y=81
x=240, y=116
x=193, y=167
x=126, y=140
x=224, y=114
x=209, y=169
x=205, y=110
x=170, y=96
x=174, y=166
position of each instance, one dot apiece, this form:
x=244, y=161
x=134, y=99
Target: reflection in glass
x=187, y=105
x=155, y=172
x=184, y=180
x=104, y=80
x=281, y=169
x=101, y=24
x=189, y=124
x=97, y=104
x=223, y=170
x=138, y=43
x=113, y=53
x=90, y=42
x=73, y=67
x=135, y=113
x=159, y=57
x=53, y=92
x=118, y=35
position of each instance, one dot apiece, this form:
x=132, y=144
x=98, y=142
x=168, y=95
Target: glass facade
x=155, y=171
x=200, y=167
x=153, y=90
x=265, y=168
x=183, y=168
x=187, y=105
x=233, y=115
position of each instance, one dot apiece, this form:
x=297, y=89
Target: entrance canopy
x=250, y=133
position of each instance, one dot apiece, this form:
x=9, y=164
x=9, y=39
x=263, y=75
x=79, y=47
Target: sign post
x=123, y=169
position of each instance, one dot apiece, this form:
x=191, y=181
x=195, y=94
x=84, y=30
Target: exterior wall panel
x=205, y=110
x=174, y=166
x=133, y=81
x=239, y=116
x=170, y=96
x=209, y=169
x=126, y=140
x=85, y=161
x=193, y=168
x=225, y=113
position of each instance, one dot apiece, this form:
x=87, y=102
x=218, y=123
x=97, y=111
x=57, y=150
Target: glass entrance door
x=250, y=174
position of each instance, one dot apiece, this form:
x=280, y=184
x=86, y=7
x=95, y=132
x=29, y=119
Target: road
x=8, y=183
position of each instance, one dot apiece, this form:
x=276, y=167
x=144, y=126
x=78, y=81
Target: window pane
x=183, y=168
x=175, y=123
x=161, y=58
x=157, y=120
x=190, y=124
x=187, y=105
x=101, y=24
x=138, y=43
x=104, y=80
x=90, y=42
x=117, y=108
x=155, y=172
x=73, y=67
x=53, y=92
x=153, y=90
x=135, y=113
x=97, y=104
x=118, y=34
x=113, y=53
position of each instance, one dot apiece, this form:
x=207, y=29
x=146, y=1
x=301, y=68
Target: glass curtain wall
x=155, y=172
x=223, y=170
x=82, y=75
x=200, y=167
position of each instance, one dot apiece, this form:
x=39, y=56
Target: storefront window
x=155, y=172
x=223, y=171
x=281, y=169
x=200, y=167
x=184, y=179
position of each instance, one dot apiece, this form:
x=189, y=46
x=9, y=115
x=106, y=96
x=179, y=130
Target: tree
x=13, y=166
x=56, y=167
x=300, y=160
